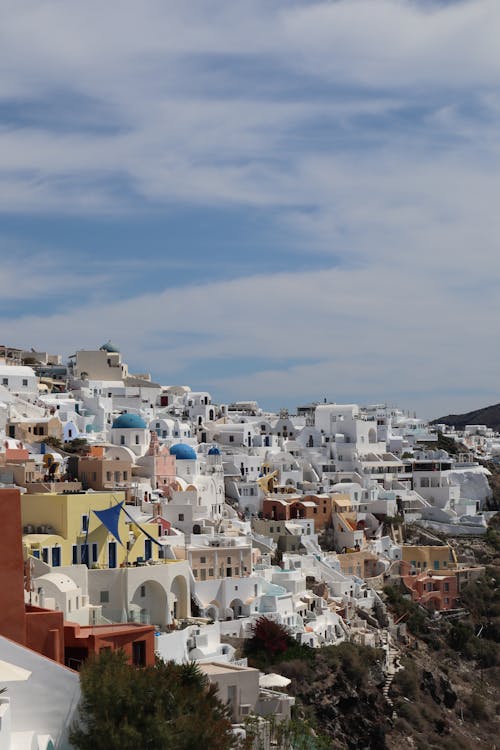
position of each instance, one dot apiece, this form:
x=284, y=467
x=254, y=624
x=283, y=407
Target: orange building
x=433, y=590
x=80, y=642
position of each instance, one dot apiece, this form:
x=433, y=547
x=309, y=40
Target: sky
x=281, y=200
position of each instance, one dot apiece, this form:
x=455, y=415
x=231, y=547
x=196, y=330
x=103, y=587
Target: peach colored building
x=100, y=473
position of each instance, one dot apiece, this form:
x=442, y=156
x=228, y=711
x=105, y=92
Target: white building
x=19, y=380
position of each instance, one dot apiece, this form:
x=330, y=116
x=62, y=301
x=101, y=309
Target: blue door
x=112, y=554
x=56, y=557
x=84, y=554
x=148, y=549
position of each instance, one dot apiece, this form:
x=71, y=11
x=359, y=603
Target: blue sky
x=271, y=200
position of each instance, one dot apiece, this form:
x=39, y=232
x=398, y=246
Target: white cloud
x=369, y=129
x=354, y=334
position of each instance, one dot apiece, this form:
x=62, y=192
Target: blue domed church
x=131, y=431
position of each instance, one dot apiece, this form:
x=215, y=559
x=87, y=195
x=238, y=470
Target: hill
x=488, y=415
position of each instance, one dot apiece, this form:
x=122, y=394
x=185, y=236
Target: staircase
x=393, y=666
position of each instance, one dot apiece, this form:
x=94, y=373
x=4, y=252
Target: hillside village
x=145, y=517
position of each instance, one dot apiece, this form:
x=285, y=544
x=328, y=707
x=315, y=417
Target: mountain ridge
x=487, y=415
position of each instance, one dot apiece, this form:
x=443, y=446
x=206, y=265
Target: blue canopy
x=110, y=518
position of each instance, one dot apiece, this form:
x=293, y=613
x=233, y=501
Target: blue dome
x=183, y=452
x=129, y=422
x=110, y=348
x=214, y=451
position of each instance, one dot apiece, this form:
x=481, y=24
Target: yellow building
x=63, y=530
x=422, y=557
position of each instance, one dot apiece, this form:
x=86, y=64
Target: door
x=112, y=554
x=148, y=549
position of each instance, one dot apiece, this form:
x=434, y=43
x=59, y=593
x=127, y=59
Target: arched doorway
x=237, y=607
x=149, y=603
x=179, y=598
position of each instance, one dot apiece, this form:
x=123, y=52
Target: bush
x=406, y=681
x=415, y=617
x=269, y=636
x=168, y=705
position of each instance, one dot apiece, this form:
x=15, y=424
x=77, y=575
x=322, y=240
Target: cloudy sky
x=277, y=199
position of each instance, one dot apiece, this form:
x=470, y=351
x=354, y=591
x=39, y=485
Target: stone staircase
x=393, y=666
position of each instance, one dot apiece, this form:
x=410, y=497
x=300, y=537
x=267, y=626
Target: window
x=74, y=554
x=108, y=476
x=85, y=523
x=446, y=586
x=231, y=438
x=211, y=572
x=125, y=476
x=5, y=381
x=137, y=439
x=229, y=560
x=25, y=382
x=94, y=552
x=122, y=439
x=195, y=573
x=104, y=597
x=181, y=516
x=45, y=554
x=203, y=559
x=143, y=591
x=203, y=574
x=236, y=571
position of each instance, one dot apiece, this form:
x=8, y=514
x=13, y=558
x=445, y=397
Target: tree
x=160, y=707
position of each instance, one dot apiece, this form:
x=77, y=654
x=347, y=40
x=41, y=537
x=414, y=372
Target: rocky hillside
x=445, y=697
x=488, y=415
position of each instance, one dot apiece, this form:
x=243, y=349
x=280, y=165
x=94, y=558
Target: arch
x=196, y=528
x=179, y=597
x=212, y=611
x=211, y=415
x=150, y=599
x=237, y=607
